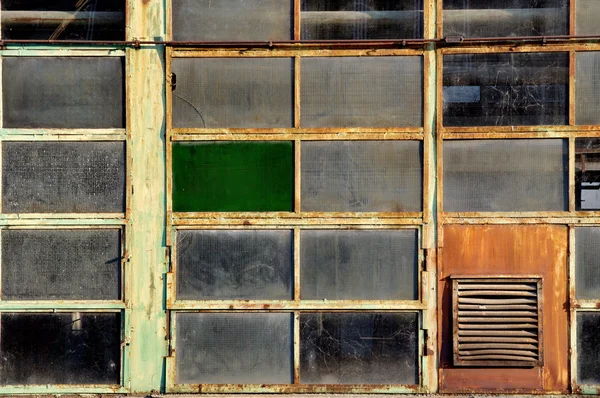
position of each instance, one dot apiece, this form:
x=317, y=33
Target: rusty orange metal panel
x=510, y=250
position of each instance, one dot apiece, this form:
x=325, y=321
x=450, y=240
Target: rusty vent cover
x=497, y=321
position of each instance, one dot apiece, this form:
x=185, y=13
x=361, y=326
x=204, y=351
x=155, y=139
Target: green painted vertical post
x=147, y=207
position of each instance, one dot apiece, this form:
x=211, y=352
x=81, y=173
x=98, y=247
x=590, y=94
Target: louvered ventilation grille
x=497, y=322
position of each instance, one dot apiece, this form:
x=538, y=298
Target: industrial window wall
x=285, y=196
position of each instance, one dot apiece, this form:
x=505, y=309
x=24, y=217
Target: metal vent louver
x=497, y=321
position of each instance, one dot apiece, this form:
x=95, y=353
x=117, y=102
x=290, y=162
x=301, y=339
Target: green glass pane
x=233, y=176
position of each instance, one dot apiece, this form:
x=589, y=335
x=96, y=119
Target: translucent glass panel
x=60, y=348
x=230, y=264
x=501, y=18
x=587, y=173
x=586, y=17
x=63, y=177
x=233, y=176
x=61, y=264
x=588, y=348
x=72, y=92
x=587, y=87
x=505, y=175
x=63, y=19
x=505, y=89
x=361, y=92
x=233, y=92
x=359, y=348
x=587, y=261
x=384, y=176
x=232, y=20
x=359, y=265
x=234, y=348
x=359, y=19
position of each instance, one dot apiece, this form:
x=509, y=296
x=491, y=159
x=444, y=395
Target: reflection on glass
x=587, y=173
x=588, y=348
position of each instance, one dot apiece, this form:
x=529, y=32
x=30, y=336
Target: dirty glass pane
x=587, y=87
x=72, y=92
x=587, y=173
x=63, y=19
x=361, y=19
x=63, y=177
x=586, y=17
x=502, y=18
x=383, y=176
x=361, y=92
x=359, y=348
x=505, y=89
x=506, y=175
x=60, y=348
x=359, y=265
x=233, y=176
x=587, y=262
x=233, y=92
x=251, y=265
x=232, y=20
x=218, y=348
x=588, y=348
x=61, y=264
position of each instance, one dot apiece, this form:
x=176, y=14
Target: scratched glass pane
x=232, y=20
x=251, y=265
x=502, y=18
x=63, y=19
x=60, y=348
x=586, y=17
x=587, y=173
x=383, y=176
x=218, y=348
x=587, y=263
x=361, y=92
x=61, y=264
x=63, y=177
x=359, y=265
x=359, y=348
x=72, y=92
x=588, y=348
x=587, y=87
x=233, y=92
x=505, y=89
x=361, y=19
x=506, y=175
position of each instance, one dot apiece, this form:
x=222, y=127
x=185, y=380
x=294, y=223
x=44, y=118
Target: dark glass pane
x=587, y=261
x=359, y=265
x=505, y=89
x=359, y=348
x=60, y=348
x=63, y=19
x=233, y=176
x=362, y=92
x=506, y=175
x=588, y=348
x=587, y=173
x=217, y=348
x=501, y=18
x=587, y=87
x=234, y=265
x=361, y=19
x=63, y=177
x=72, y=92
x=358, y=176
x=61, y=264
x=233, y=92
x=586, y=17
x=232, y=20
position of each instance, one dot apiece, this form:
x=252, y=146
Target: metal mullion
x=572, y=17
x=571, y=89
x=296, y=343
x=486, y=48
x=44, y=389
x=296, y=23
x=169, y=143
x=498, y=220
x=572, y=299
x=277, y=222
x=300, y=305
x=53, y=51
x=293, y=133
x=571, y=176
x=504, y=133
x=293, y=52
x=31, y=135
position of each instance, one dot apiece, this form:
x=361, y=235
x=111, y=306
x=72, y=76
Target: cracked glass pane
x=218, y=348
x=60, y=348
x=587, y=263
x=61, y=264
x=587, y=173
x=505, y=89
x=359, y=348
x=251, y=265
x=588, y=348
